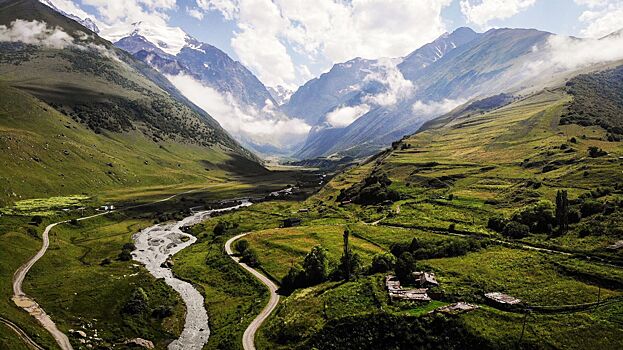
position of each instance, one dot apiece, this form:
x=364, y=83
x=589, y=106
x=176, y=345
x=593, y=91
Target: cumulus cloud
x=396, y=86
x=35, y=33
x=435, y=108
x=325, y=31
x=487, y=10
x=195, y=13
x=267, y=126
x=345, y=115
x=602, y=17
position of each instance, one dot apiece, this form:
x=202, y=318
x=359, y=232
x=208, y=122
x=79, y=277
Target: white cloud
x=35, y=33
x=602, y=18
x=564, y=53
x=325, y=30
x=435, y=108
x=396, y=86
x=195, y=13
x=487, y=10
x=266, y=126
x=345, y=115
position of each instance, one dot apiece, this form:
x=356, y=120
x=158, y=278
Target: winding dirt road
x=248, y=338
x=21, y=334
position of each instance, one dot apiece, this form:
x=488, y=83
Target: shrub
x=241, y=246
x=595, y=152
x=219, y=228
x=497, y=224
x=405, y=265
x=514, y=229
x=125, y=255
x=249, y=257
x=591, y=207
x=382, y=263
x=538, y=217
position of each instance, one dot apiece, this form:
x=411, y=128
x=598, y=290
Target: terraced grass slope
x=87, y=117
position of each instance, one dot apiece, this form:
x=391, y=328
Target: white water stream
x=154, y=245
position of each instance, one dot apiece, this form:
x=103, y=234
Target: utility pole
x=523, y=328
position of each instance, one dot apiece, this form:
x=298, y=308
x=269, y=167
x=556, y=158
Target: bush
x=125, y=255
x=591, y=207
x=514, y=229
x=249, y=257
x=497, y=224
x=382, y=262
x=241, y=246
x=137, y=303
x=595, y=152
x=538, y=217
x=405, y=265
x=219, y=228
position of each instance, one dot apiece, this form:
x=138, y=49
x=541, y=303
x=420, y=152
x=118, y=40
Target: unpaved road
x=154, y=246
x=248, y=338
x=29, y=304
x=21, y=334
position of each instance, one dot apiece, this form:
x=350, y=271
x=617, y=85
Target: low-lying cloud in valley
x=435, y=108
x=346, y=115
x=267, y=126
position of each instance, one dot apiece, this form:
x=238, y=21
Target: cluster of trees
x=247, y=254
x=317, y=268
x=544, y=217
x=374, y=189
x=222, y=226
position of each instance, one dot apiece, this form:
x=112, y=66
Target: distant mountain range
x=380, y=101
x=362, y=105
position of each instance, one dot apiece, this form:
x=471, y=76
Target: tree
x=219, y=228
x=293, y=280
x=562, y=211
x=241, y=246
x=249, y=257
x=538, y=217
x=405, y=265
x=514, y=229
x=382, y=263
x=316, y=266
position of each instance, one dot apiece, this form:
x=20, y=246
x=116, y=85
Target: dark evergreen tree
x=562, y=211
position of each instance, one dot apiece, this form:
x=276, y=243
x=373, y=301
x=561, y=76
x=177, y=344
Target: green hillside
x=88, y=119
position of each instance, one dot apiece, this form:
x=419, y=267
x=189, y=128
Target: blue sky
x=287, y=42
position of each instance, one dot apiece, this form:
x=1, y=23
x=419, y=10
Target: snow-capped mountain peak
x=281, y=94
x=81, y=18
x=168, y=39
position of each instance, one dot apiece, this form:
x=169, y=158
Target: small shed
x=502, y=299
x=291, y=222
x=425, y=279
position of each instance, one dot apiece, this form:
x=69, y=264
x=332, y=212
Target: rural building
x=291, y=222
x=502, y=299
x=425, y=279
x=396, y=292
